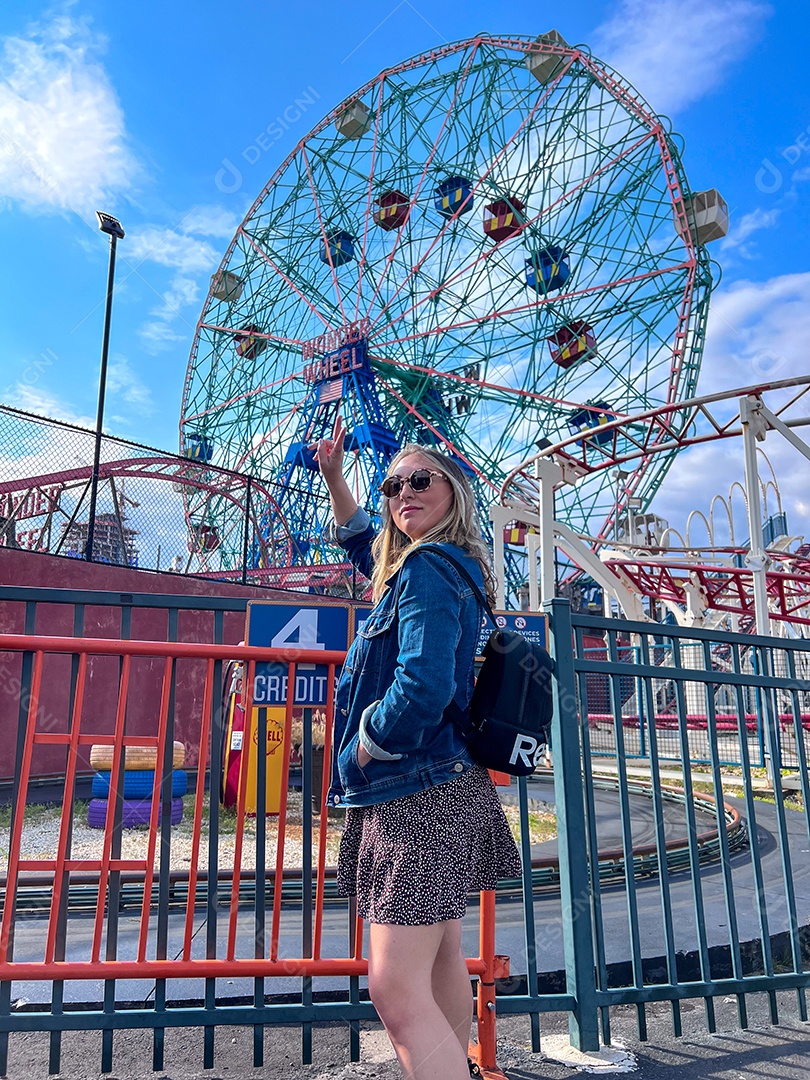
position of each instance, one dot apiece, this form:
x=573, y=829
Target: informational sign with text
x=293, y=627
x=533, y=625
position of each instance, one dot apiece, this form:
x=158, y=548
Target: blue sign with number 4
x=294, y=628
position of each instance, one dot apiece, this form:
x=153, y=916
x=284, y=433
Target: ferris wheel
x=487, y=246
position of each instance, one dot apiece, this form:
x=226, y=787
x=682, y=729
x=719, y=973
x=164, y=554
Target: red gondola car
x=206, y=538
x=248, y=344
x=393, y=209
x=574, y=341
x=503, y=219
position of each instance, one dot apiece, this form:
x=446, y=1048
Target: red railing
x=230, y=960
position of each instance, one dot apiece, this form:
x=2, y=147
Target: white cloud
x=185, y=249
x=27, y=392
x=63, y=141
x=213, y=221
x=180, y=247
x=757, y=335
x=159, y=334
x=710, y=469
x=161, y=331
x=677, y=51
x=168, y=247
x=123, y=383
x=44, y=403
x=182, y=291
x=747, y=225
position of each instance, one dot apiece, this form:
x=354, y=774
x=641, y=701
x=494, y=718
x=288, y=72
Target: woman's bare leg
x=451, y=983
x=401, y=967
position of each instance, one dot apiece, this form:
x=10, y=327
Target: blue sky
x=154, y=113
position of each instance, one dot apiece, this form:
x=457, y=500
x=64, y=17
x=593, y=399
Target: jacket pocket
x=352, y=775
x=376, y=624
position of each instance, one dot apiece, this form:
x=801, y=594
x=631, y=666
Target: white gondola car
x=707, y=212
x=545, y=66
x=644, y=530
x=354, y=121
x=226, y=285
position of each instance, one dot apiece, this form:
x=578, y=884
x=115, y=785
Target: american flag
x=332, y=390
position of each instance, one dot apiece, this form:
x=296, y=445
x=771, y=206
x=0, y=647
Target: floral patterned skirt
x=413, y=861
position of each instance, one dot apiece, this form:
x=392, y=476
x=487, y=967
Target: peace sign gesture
x=329, y=455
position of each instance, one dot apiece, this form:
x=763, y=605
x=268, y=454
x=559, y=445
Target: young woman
x=424, y=825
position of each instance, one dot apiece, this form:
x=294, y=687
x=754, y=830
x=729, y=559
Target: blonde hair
x=459, y=526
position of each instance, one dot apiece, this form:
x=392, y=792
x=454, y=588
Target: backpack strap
x=458, y=716
x=482, y=600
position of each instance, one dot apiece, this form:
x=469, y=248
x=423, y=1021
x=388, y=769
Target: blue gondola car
x=548, y=269
x=594, y=415
x=338, y=248
x=452, y=195
x=199, y=447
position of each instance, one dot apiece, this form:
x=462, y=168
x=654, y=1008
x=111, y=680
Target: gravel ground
x=40, y=836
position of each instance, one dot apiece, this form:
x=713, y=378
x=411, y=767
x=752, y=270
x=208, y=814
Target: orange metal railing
x=231, y=958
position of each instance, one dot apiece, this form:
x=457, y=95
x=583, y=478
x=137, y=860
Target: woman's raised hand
x=329, y=453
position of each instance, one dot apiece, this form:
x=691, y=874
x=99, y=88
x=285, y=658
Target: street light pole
x=113, y=228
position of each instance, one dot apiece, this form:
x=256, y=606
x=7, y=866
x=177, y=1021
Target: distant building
x=113, y=541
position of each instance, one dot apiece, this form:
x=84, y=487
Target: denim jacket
x=412, y=656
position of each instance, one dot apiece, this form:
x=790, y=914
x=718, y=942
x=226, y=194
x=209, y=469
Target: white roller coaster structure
x=761, y=584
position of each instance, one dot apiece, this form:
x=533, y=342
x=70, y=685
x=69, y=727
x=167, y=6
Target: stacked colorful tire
x=138, y=784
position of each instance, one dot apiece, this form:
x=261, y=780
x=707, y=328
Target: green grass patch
x=542, y=824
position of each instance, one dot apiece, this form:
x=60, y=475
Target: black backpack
x=508, y=724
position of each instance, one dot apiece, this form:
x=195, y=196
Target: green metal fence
x=744, y=928
x=732, y=703
x=696, y=885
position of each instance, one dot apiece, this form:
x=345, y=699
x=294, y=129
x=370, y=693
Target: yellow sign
x=274, y=758
x=238, y=771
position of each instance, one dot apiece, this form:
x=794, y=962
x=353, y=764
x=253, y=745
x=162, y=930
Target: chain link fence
x=154, y=510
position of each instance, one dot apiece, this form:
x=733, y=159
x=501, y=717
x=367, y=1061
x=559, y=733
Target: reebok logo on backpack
x=528, y=751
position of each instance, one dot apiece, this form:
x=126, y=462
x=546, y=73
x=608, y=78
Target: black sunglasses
x=419, y=480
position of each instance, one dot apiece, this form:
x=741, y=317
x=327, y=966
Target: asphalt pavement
x=763, y=1051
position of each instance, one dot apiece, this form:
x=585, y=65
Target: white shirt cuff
x=357, y=523
x=367, y=742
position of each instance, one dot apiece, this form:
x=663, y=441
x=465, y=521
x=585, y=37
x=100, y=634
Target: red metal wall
x=34, y=570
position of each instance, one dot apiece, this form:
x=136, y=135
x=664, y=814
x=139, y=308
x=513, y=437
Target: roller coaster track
x=698, y=580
